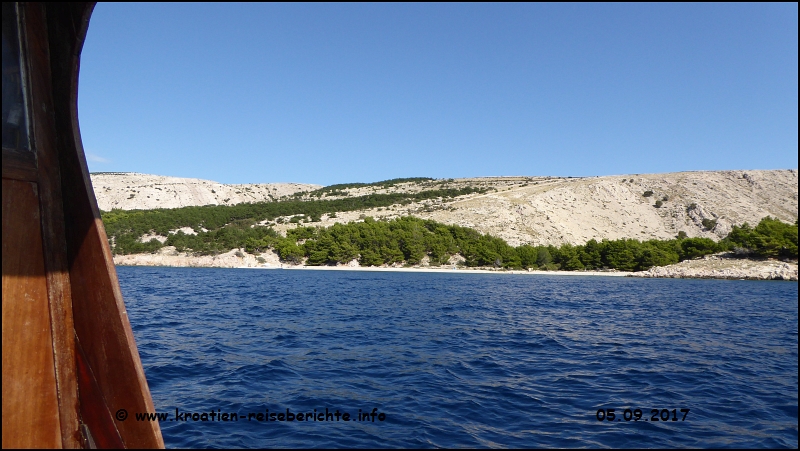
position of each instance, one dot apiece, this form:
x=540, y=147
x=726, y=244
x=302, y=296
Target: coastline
x=445, y=270
x=724, y=266
x=710, y=267
x=238, y=259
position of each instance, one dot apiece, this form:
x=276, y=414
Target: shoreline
x=662, y=272
x=709, y=267
x=438, y=270
x=723, y=266
x=237, y=258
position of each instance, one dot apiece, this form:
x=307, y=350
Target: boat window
x=15, y=114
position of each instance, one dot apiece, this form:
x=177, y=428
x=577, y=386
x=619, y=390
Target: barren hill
x=533, y=210
x=129, y=191
x=577, y=210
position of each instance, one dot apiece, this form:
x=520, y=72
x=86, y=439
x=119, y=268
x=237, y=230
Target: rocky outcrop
x=723, y=266
x=168, y=256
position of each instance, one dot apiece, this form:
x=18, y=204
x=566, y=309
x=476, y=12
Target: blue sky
x=336, y=93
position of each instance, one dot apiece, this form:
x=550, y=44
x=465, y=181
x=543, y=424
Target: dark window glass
x=15, y=115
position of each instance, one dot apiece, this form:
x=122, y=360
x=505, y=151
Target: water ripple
x=458, y=360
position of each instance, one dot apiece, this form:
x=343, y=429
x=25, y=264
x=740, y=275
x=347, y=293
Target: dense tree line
x=771, y=238
x=125, y=227
x=409, y=240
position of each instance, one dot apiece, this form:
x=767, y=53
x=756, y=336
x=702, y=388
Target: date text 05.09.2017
x=636, y=415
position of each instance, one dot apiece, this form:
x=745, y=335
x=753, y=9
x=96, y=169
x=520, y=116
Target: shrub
x=659, y=204
x=647, y=193
x=573, y=264
x=289, y=251
x=697, y=247
x=543, y=257
x=653, y=256
x=709, y=224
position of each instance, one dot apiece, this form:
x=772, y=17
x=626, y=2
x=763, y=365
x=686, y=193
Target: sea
x=242, y=358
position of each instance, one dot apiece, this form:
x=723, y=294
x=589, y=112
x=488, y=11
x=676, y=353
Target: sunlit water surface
x=466, y=360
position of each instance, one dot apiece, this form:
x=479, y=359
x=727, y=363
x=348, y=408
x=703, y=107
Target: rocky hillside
x=130, y=191
x=533, y=210
x=577, y=210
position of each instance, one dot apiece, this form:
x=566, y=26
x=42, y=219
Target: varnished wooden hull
x=70, y=362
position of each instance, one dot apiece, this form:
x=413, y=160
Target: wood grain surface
x=30, y=398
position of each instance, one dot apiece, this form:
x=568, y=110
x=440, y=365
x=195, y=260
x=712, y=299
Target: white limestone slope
x=129, y=191
x=575, y=210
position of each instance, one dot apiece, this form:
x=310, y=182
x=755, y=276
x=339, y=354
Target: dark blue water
x=466, y=360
